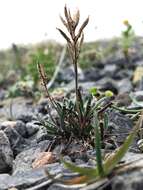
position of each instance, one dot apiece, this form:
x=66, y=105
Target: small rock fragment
x=43, y=159
x=6, y=154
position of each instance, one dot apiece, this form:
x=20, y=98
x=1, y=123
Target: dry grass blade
x=68, y=19
x=81, y=28
x=64, y=35
x=63, y=21
x=66, y=12
x=77, y=180
x=80, y=43
x=42, y=73
x=44, y=82
x=76, y=18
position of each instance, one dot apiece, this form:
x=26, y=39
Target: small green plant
x=73, y=117
x=128, y=36
x=45, y=58
x=81, y=119
x=21, y=88
x=104, y=167
x=71, y=121
x=97, y=93
x=68, y=122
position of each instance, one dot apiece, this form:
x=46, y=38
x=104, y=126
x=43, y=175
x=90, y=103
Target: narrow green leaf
x=88, y=106
x=105, y=124
x=98, y=146
x=90, y=172
x=99, y=102
x=113, y=160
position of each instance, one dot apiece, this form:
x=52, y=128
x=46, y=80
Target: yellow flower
x=126, y=22
x=109, y=93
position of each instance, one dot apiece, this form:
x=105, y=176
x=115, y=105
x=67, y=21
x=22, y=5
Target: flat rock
x=34, y=179
x=17, y=142
x=14, y=108
x=119, y=124
x=23, y=161
x=43, y=158
x=19, y=126
x=6, y=154
x=22, y=181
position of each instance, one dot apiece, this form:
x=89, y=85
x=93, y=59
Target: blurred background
x=110, y=57
x=30, y=21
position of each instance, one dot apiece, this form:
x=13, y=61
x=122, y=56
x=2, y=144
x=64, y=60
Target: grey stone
x=124, y=85
x=26, y=117
x=61, y=187
x=138, y=95
x=24, y=180
x=107, y=83
x=42, y=106
x=2, y=94
x=15, y=108
x=23, y=160
x=34, y=179
x=40, y=135
x=31, y=128
x=17, y=142
x=93, y=74
x=67, y=74
x=20, y=127
x=6, y=154
x=119, y=124
x=109, y=70
x=85, y=86
x=129, y=181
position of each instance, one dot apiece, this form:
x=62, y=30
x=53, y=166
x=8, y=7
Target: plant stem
x=126, y=110
x=75, y=69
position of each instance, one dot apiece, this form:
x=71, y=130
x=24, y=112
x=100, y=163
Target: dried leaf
x=77, y=180
x=66, y=12
x=64, y=35
x=80, y=43
x=43, y=159
x=67, y=18
x=42, y=72
x=81, y=28
x=70, y=49
x=64, y=22
x=70, y=17
x=76, y=18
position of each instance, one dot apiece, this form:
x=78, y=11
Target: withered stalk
x=74, y=39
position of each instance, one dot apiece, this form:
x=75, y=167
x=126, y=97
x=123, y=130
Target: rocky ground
x=26, y=150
